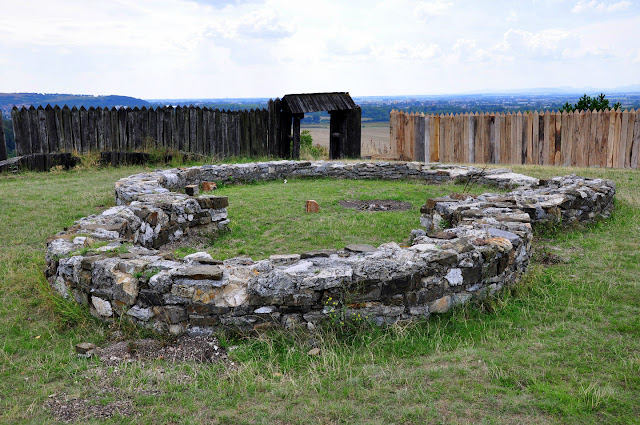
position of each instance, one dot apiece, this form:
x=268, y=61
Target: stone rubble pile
x=470, y=247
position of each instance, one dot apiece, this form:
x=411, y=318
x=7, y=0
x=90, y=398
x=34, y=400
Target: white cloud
x=409, y=51
x=545, y=44
x=217, y=48
x=594, y=6
x=429, y=9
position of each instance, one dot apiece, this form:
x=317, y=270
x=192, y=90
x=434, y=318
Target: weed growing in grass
x=595, y=396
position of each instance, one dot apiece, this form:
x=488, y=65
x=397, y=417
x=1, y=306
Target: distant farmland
x=375, y=136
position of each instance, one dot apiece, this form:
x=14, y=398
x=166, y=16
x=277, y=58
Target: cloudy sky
x=266, y=48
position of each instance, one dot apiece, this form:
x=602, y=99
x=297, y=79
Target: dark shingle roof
x=316, y=102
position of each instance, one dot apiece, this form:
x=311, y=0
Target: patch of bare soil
x=199, y=349
x=195, y=349
x=545, y=256
x=376, y=205
x=70, y=409
x=194, y=240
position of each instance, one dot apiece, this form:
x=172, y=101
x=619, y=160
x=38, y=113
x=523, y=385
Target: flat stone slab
x=200, y=273
x=360, y=248
x=318, y=253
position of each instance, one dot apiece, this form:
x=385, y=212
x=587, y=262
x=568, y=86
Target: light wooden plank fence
x=584, y=139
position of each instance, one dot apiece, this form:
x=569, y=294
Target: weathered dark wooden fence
x=584, y=139
x=196, y=130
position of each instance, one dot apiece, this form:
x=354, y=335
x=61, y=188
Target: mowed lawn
x=561, y=347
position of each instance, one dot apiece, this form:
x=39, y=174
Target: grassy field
x=562, y=347
x=268, y=217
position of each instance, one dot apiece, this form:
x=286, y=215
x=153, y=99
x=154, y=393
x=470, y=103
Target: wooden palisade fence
x=203, y=131
x=608, y=138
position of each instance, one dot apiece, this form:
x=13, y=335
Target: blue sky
x=226, y=48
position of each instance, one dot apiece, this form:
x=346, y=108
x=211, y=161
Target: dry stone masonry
x=468, y=247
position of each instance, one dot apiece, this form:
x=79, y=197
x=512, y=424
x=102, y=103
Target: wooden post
x=199, y=131
x=193, y=129
x=167, y=134
x=296, y=136
x=85, y=146
x=629, y=148
x=3, y=143
x=419, y=138
x=21, y=130
x=179, y=135
x=471, y=141
x=210, y=130
x=75, y=130
x=153, y=125
x=285, y=141
x=435, y=139
x=635, y=146
x=428, y=123
x=624, y=127
x=465, y=138
x=205, y=131
x=224, y=131
x=529, y=138
x=217, y=115
x=478, y=143
x=101, y=122
x=91, y=130
x=392, y=130
x=42, y=129
x=50, y=130
x=560, y=124
x=106, y=130
x=277, y=122
x=144, y=130
x=254, y=126
x=592, y=138
x=580, y=150
x=497, y=149
x=115, y=141
x=568, y=126
x=442, y=139
x=57, y=113
x=186, y=136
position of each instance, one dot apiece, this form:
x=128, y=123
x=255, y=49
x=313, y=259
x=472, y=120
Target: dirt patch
x=376, y=205
x=71, y=409
x=544, y=255
x=196, y=240
x=199, y=349
x=194, y=349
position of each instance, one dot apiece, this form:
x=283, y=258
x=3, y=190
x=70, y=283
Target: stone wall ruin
x=468, y=247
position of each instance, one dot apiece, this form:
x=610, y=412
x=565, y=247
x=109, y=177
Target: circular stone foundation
x=111, y=262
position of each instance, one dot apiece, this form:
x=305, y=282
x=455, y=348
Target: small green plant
x=147, y=274
x=445, y=224
x=342, y=312
x=308, y=150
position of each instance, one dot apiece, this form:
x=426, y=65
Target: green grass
x=561, y=347
x=269, y=217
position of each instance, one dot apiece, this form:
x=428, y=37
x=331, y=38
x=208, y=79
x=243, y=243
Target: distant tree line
x=588, y=103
